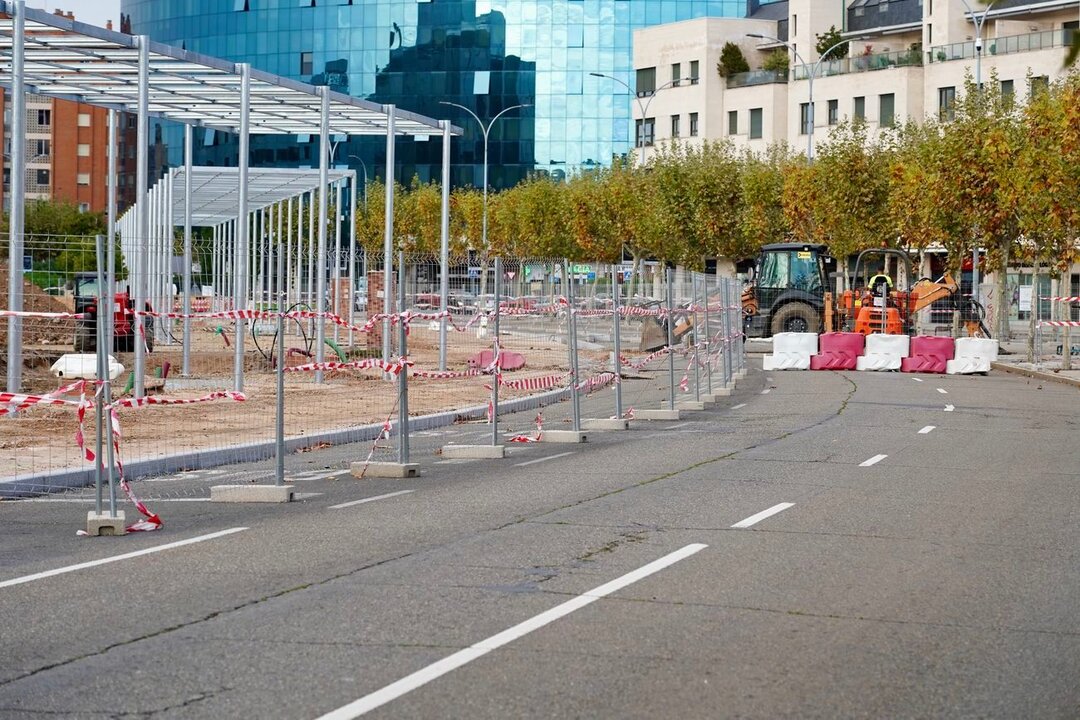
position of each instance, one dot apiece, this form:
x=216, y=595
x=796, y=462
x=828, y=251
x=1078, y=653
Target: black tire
x=85, y=338
x=795, y=317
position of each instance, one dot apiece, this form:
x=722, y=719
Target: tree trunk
x=633, y=277
x=1003, y=288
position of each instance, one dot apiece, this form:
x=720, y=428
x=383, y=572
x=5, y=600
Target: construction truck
x=87, y=297
x=789, y=293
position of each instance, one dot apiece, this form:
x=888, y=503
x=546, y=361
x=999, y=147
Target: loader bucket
x=653, y=334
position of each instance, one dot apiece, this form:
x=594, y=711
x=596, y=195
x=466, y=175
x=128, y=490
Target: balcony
x=1045, y=40
x=756, y=77
x=869, y=15
x=866, y=63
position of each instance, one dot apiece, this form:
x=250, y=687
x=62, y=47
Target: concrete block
x=473, y=452
x=605, y=424
x=105, y=524
x=897, y=345
x=739, y=375
x=719, y=392
x=684, y=405
x=798, y=343
x=385, y=470
x=563, y=436
x=251, y=493
x=657, y=414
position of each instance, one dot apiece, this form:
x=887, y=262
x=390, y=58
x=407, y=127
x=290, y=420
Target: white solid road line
x=452, y=662
x=943, y=391
x=543, y=459
x=370, y=499
x=117, y=558
x=927, y=430
x=949, y=408
x=755, y=519
x=872, y=461
x=740, y=405
x=917, y=379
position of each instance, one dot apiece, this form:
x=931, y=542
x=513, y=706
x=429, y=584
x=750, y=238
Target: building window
x=886, y=110
x=83, y=120
x=307, y=63
x=82, y=179
x=674, y=126
x=693, y=124
x=39, y=149
x=805, y=121
x=84, y=207
x=83, y=150
x=1007, y=92
x=241, y=5
x=1039, y=83
x=859, y=111
x=834, y=112
x=41, y=177
x=694, y=66
x=883, y=7
x=755, y=123
x=44, y=117
x=646, y=132
x=946, y=103
x=733, y=122
x=646, y=81
x=676, y=73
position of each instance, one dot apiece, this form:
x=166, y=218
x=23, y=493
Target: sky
x=95, y=12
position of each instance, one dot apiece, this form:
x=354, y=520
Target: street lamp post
x=979, y=21
x=362, y=165
x=639, y=138
x=811, y=73
x=486, y=130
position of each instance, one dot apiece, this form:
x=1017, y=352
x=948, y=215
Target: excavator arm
x=927, y=292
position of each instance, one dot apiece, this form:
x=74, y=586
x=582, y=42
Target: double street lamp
x=811, y=73
x=639, y=137
x=486, y=130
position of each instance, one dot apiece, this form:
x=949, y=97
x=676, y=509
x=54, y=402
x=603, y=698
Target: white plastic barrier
x=973, y=355
x=75, y=366
x=884, y=352
x=791, y=351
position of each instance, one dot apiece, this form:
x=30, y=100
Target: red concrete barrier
x=929, y=354
x=839, y=351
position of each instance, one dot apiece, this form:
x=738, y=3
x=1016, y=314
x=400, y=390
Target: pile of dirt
x=36, y=331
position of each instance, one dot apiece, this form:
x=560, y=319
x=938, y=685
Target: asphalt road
x=838, y=546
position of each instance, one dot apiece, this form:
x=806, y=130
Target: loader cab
x=788, y=293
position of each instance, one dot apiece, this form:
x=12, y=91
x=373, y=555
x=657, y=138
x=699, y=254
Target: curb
x=1036, y=374
x=38, y=484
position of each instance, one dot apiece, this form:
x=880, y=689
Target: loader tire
x=796, y=317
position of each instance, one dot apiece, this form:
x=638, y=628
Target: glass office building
x=485, y=54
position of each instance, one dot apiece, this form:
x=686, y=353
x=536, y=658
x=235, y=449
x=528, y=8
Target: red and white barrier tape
x=526, y=438
x=1068, y=298
x=1059, y=323
x=47, y=315
x=393, y=368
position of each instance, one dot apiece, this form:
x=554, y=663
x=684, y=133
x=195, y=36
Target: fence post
x=496, y=359
x=104, y=305
x=729, y=335
x=1066, y=344
x=697, y=337
x=617, y=338
x=708, y=334
x=571, y=346
x=279, y=428
x=403, y=377
x=670, y=278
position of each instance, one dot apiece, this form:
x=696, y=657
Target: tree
x=777, y=61
x=761, y=213
x=827, y=40
x=732, y=61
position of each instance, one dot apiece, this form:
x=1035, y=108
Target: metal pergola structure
x=207, y=197
x=58, y=57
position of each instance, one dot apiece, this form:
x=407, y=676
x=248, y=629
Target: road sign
x=474, y=272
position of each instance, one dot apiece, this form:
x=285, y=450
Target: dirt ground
x=42, y=439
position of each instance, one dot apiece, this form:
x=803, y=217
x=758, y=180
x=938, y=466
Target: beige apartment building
x=907, y=59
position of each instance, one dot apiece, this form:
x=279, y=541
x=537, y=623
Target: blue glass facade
x=485, y=54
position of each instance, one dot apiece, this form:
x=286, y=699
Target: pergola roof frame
x=67, y=59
